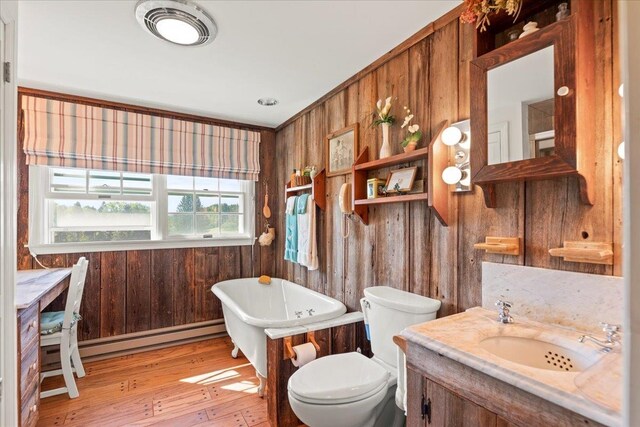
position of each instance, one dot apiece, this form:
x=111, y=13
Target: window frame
x=40, y=196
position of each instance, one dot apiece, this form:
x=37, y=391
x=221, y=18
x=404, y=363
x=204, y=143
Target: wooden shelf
x=317, y=188
x=496, y=35
x=588, y=252
x=413, y=156
x=437, y=191
x=392, y=199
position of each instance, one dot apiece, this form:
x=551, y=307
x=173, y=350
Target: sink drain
x=560, y=361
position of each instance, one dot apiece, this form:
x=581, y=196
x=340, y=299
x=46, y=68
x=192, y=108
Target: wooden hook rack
x=500, y=245
x=587, y=252
x=288, y=347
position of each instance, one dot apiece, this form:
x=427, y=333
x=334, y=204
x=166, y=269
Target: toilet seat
x=340, y=378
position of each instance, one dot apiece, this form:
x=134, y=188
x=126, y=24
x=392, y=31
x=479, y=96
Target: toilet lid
x=339, y=378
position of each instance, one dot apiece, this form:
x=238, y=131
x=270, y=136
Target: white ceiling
x=294, y=51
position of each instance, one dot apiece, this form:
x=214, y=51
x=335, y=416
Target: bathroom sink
x=539, y=354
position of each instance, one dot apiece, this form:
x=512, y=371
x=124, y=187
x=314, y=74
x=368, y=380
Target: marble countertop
x=31, y=285
x=595, y=393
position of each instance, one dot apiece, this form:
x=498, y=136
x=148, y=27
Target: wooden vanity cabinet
x=439, y=406
x=29, y=365
x=442, y=392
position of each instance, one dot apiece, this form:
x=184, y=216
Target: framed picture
x=341, y=150
x=403, y=178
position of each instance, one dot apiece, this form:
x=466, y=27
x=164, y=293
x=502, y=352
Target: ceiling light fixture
x=267, y=102
x=176, y=21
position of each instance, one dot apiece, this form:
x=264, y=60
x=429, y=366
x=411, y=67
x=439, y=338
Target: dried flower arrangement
x=478, y=11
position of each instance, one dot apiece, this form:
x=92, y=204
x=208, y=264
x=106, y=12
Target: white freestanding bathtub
x=250, y=307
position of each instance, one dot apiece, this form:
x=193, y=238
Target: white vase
x=385, y=150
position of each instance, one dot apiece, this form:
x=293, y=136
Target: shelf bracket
x=500, y=245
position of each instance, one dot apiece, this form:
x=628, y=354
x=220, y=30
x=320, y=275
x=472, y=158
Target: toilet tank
x=388, y=311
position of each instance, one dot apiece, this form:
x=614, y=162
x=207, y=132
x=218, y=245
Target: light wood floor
x=188, y=385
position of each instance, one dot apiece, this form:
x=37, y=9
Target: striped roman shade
x=68, y=134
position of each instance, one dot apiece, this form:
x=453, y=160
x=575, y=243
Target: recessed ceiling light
x=267, y=102
x=177, y=21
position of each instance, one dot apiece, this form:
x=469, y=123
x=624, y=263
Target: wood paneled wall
x=404, y=246
x=137, y=291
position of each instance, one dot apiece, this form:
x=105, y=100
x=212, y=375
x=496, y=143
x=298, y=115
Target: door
x=498, y=143
x=447, y=409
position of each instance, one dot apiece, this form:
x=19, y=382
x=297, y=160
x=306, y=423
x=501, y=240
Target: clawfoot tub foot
x=234, y=352
x=263, y=383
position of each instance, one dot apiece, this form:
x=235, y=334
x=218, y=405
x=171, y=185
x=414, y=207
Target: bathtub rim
x=225, y=299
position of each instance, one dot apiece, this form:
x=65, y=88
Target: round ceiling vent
x=176, y=21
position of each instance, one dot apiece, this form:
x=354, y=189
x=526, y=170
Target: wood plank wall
x=404, y=246
x=137, y=291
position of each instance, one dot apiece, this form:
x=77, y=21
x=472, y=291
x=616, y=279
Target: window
x=75, y=210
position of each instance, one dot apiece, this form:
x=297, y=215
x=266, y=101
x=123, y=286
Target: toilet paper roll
x=305, y=353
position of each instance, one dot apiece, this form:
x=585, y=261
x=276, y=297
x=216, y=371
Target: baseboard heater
x=104, y=348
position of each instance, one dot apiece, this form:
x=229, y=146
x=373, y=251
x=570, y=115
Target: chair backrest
x=74, y=295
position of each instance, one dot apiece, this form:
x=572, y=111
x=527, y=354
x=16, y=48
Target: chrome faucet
x=612, y=337
x=503, y=311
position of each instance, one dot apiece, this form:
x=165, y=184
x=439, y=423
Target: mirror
x=520, y=107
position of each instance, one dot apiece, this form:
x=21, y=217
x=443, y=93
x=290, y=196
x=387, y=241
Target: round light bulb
x=451, y=175
x=621, y=90
x=621, y=150
x=177, y=31
x=451, y=136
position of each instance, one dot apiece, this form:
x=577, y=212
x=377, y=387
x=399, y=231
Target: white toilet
x=351, y=390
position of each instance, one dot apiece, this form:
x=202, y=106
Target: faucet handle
x=503, y=304
x=610, y=328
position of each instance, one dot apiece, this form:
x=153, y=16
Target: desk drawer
x=30, y=404
x=29, y=325
x=29, y=367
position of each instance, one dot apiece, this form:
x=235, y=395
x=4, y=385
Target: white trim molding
x=629, y=15
x=8, y=214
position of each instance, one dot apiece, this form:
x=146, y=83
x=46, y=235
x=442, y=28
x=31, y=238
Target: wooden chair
x=60, y=328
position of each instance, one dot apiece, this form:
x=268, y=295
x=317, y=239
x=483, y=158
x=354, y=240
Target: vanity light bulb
x=466, y=179
x=451, y=136
x=620, y=150
x=452, y=175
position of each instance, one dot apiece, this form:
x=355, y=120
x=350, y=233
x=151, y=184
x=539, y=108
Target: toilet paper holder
x=288, y=347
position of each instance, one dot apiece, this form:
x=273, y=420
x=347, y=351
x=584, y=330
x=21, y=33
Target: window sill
x=67, y=248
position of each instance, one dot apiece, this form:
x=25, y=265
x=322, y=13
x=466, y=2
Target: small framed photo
x=341, y=150
x=375, y=188
x=401, y=180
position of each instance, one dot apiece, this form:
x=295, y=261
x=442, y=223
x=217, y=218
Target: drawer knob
x=33, y=324
x=34, y=408
x=33, y=366
x=563, y=91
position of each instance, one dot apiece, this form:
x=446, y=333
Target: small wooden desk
x=35, y=290
x=40, y=286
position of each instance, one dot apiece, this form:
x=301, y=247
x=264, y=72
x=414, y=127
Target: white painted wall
x=629, y=14
x=8, y=216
